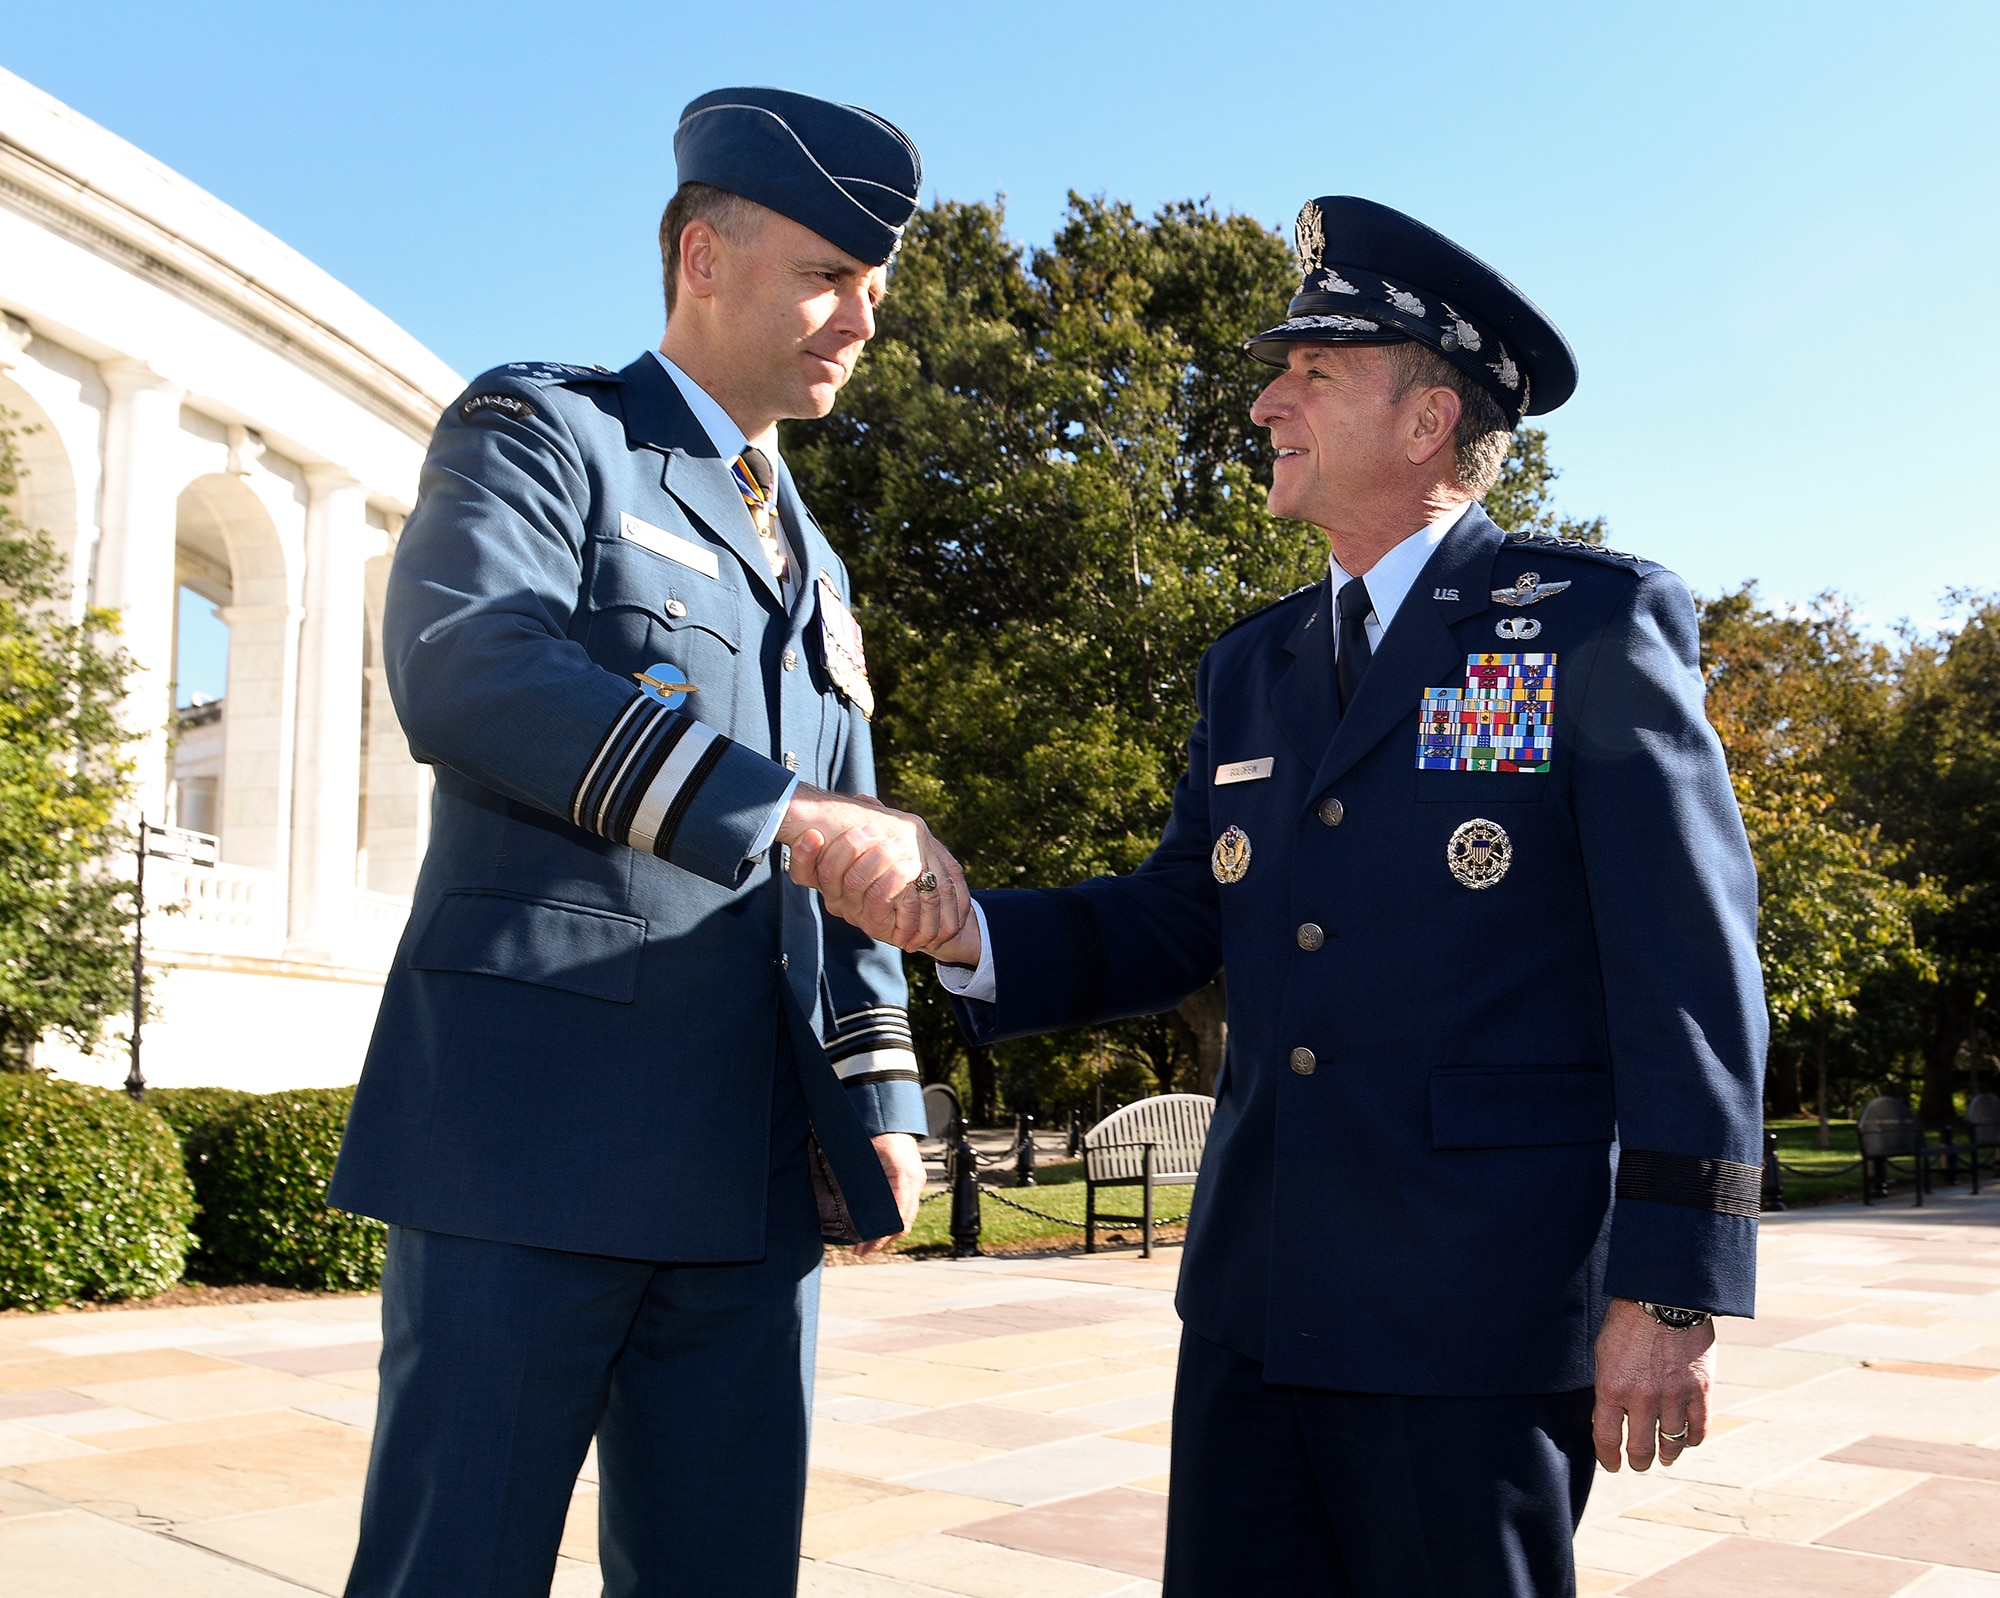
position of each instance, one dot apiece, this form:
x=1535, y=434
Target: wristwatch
x=1675, y=1320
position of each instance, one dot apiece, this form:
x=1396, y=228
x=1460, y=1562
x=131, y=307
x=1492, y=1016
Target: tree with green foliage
x=65, y=915
x=1045, y=479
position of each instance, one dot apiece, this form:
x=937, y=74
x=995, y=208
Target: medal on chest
x=840, y=648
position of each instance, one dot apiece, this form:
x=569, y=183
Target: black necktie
x=1352, y=652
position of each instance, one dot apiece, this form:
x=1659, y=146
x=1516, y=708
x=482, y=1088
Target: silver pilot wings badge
x=1528, y=589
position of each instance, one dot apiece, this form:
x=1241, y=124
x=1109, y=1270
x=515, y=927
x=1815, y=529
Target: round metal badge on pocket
x=1230, y=860
x=1479, y=853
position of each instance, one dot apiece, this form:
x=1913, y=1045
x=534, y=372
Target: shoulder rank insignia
x=1230, y=860
x=1528, y=589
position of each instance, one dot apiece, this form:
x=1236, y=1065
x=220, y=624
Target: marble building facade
x=200, y=407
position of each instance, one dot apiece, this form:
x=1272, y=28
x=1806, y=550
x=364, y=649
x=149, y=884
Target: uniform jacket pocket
x=627, y=576
x=566, y=946
x=1481, y=787
x=1502, y=1107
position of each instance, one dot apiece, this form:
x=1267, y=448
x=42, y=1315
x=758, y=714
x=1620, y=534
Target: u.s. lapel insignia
x=1479, y=853
x=1528, y=589
x=1517, y=629
x=1231, y=858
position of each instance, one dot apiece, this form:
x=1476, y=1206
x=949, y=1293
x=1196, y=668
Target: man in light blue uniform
x=624, y=1079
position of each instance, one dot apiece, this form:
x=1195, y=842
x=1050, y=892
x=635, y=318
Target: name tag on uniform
x=662, y=542
x=1245, y=770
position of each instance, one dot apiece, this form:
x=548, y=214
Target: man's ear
x=1434, y=418
x=699, y=247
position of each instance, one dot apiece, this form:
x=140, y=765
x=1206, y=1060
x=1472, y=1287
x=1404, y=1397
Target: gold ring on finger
x=1680, y=1436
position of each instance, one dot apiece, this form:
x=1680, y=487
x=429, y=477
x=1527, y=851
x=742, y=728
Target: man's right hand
x=870, y=864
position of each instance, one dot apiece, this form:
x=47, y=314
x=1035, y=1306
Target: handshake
x=882, y=870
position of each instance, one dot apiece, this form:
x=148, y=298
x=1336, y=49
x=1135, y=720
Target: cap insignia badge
x=1518, y=628
x=1231, y=859
x=1505, y=370
x=1528, y=589
x=1331, y=282
x=1339, y=324
x=1479, y=853
x=1461, y=335
x=1310, y=231
x=1404, y=300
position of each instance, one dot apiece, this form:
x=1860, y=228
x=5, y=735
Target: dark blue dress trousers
x=1298, y=1492
x=500, y=1362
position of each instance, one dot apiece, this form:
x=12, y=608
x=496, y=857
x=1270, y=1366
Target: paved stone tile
x=1882, y=1401
x=1746, y=1511
x=16, y=1501
x=358, y=1411
x=989, y=1425
x=101, y=1418
x=234, y=1390
x=1054, y=1470
x=891, y=1520
x=880, y=1452
x=124, y=1339
x=1947, y=1521
x=1759, y=1569
x=1955, y=1584
x=1939, y=1459
x=174, y=1434
x=23, y=1445
x=318, y=1361
x=1083, y=1392
x=43, y=1401
x=1026, y=1350
x=51, y=1371
x=1765, y=1330
x=77, y=1554
x=831, y=1405
x=1140, y=1409
x=1122, y=1529
x=1159, y=1433
x=1635, y=1547
x=312, y=1544
x=1938, y=1284
x=1876, y=1340
x=842, y=1581
x=984, y=1569
x=1949, y=1373
x=209, y=1480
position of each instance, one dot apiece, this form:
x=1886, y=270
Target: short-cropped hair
x=1481, y=439
x=729, y=214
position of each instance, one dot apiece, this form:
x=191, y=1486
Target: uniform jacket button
x=1332, y=811
x=791, y=761
x=1311, y=936
x=784, y=962
x=675, y=609
x=1303, y=1062
x=791, y=660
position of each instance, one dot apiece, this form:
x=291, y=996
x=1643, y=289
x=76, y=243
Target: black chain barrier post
x=1773, y=1173
x=1024, y=1160
x=1075, y=1133
x=964, y=1195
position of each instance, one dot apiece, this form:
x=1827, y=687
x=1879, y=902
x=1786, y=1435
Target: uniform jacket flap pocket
x=1481, y=787
x=627, y=576
x=579, y=950
x=1502, y=1107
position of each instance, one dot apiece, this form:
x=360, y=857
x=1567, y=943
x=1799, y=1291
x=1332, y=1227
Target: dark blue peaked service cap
x=1376, y=276
x=849, y=175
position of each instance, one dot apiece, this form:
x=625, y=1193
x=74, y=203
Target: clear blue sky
x=1768, y=229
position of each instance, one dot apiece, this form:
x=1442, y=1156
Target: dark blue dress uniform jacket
x=576, y=1044
x=1431, y=1210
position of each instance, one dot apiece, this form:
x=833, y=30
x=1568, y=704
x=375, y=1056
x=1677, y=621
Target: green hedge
x=185, y=1109
x=260, y=1169
x=94, y=1202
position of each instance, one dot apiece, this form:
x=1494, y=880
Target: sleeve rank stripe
x=1726, y=1187
x=878, y=1065
x=839, y=1048
x=625, y=790
x=705, y=763
x=895, y=1010
x=586, y=808
x=661, y=795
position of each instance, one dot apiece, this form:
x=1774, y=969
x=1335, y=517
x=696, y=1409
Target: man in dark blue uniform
x=624, y=1080
x=1485, y=1150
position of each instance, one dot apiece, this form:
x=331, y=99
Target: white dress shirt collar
x=1388, y=580
x=722, y=432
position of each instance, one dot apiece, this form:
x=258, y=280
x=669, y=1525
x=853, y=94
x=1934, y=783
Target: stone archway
x=46, y=496
x=224, y=532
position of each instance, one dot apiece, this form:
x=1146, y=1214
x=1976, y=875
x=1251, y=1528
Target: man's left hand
x=904, y=1168
x=1651, y=1382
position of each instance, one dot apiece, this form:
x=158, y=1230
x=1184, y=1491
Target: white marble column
x=399, y=789
x=135, y=556
x=326, y=790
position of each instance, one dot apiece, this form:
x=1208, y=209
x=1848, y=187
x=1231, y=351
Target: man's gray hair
x=1482, y=437
x=734, y=217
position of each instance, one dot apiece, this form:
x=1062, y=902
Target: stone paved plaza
x=999, y=1427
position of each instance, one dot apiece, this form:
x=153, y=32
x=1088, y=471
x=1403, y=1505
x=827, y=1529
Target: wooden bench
x=1156, y=1142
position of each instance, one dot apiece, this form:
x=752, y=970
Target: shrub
x=260, y=1169
x=94, y=1202
x=184, y=1109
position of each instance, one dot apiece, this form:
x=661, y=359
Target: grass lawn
x=1798, y=1146
x=1059, y=1192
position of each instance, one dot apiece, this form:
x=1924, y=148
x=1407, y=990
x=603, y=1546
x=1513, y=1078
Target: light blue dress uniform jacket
x=1514, y=1099
x=577, y=1042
